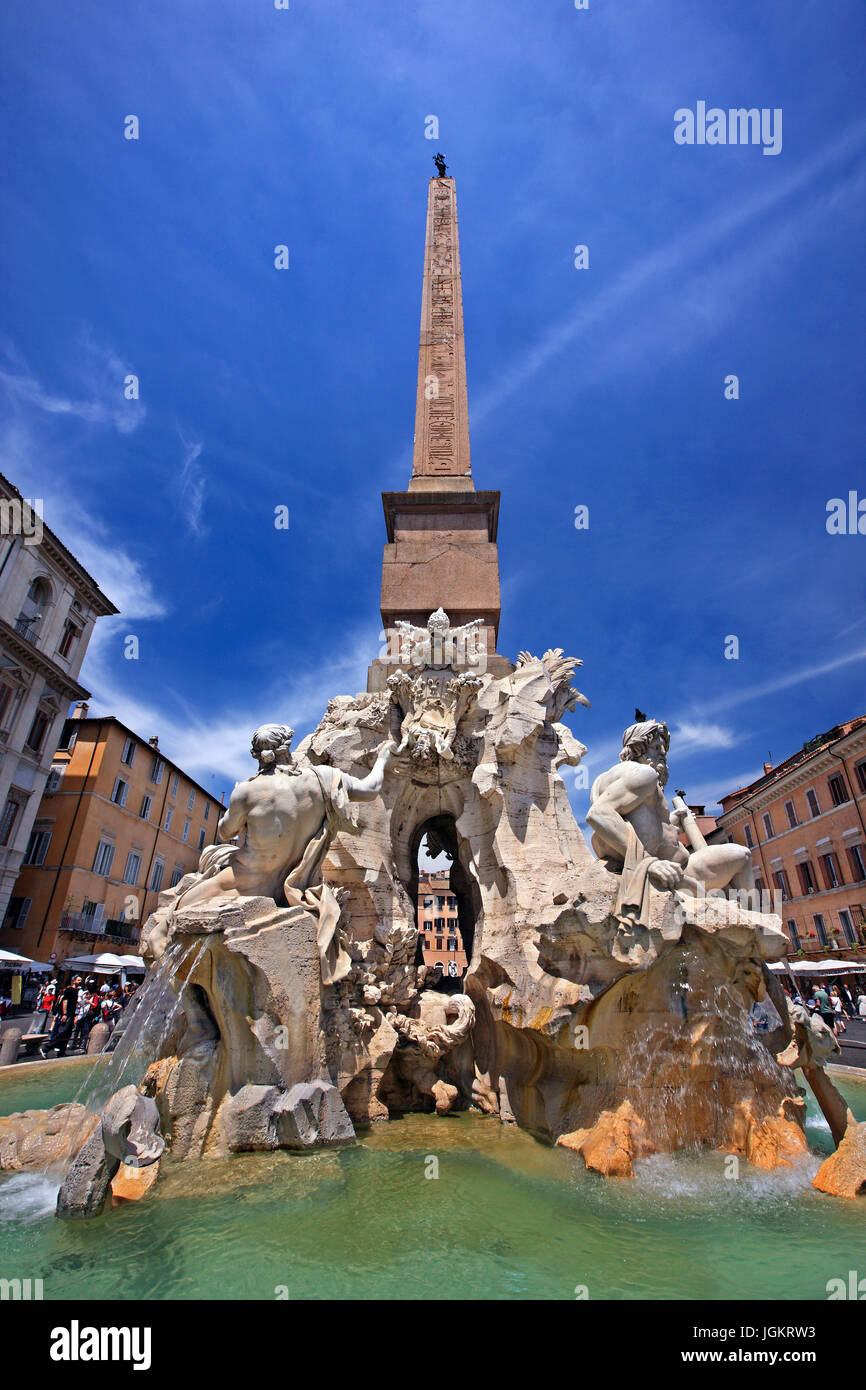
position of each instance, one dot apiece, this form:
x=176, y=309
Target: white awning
x=105, y=964
x=824, y=967
x=10, y=958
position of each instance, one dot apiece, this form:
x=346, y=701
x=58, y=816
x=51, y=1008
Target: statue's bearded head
x=272, y=744
x=648, y=743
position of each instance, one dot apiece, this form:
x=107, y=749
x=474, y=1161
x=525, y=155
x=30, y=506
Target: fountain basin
x=507, y=1217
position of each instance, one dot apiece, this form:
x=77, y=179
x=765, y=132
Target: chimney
x=81, y=710
x=768, y=768
x=154, y=742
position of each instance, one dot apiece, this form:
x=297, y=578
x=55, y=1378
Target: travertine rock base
x=843, y=1174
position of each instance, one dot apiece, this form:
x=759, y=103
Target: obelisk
x=441, y=547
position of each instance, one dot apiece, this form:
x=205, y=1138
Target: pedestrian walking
x=64, y=1018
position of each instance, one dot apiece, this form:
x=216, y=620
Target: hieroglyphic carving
x=440, y=444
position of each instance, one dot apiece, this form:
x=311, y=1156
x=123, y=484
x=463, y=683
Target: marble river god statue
x=635, y=827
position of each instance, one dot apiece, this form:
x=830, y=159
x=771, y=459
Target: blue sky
x=601, y=387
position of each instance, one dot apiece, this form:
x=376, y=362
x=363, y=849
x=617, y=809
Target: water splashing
x=148, y=1022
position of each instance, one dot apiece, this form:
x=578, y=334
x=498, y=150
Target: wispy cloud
x=696, y=736
x=782, y=682
x=99, y=372
x=657, y=268
x=212, y=744
x=191, y=486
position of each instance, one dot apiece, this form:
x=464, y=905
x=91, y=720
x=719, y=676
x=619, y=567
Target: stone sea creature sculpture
x=128, y=1134
x=424, y=1045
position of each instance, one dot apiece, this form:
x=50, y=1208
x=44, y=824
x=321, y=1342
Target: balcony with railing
x=85, y=924
x=27, y=626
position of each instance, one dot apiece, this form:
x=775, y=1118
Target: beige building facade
x=439, y=926
x=49, y=605
x=118, y=823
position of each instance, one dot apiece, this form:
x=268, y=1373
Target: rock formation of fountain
x=607, y=1001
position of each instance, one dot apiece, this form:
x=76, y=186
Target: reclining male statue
x=286, y=817
x=635, y=829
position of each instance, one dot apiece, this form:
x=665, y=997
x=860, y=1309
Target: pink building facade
x=805, y=823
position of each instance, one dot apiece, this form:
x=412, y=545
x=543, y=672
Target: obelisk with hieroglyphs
x=441, y=547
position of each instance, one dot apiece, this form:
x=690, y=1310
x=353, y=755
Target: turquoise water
x=507, y=1217
x=38, y=1086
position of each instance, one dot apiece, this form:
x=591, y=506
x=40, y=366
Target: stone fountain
x=606, y=1005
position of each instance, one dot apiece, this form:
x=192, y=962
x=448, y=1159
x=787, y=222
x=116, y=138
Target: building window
x=157, y=769
x=174, y=781
x=848, y=927
x=860, y=769
x=820, y=928
x=838, y=790
x=38, y=730
x=104, y=858
x=133, y=868
x=439, y=923
x=69, y=734
x=39, y=592
x=759, y=885
x=177, y=875
x=156, y=874
x=791, y=814
x=120, y=792
x=9, y=818
x=37, y=847
x=168, y=818
x=191, y=802
x=55, y=777
x=16, y=912
x=69, y=639
x=768, y=825
x=747, y=834
x=128, y=755
x=830, y=869
x=807, y=877
x=452, y=943
x=201, y=839
x=858, y=863
x=794, y=934
x=6, y=693
x=207, y=810
x=428, y=902
x=439, y=943
x=146, y=803
x=186, y=826
x=780, y=878
x=812, y=803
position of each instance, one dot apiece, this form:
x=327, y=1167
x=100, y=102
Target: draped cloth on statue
x=632, y=900
x=305, y=887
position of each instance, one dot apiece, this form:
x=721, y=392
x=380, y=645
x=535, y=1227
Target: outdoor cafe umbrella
x=105, y=964
x=10, y=960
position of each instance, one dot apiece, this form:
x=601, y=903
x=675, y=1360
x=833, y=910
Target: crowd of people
x=834, y=1005
x=66, y=1014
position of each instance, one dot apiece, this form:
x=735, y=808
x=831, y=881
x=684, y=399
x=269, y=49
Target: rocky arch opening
x=446, y=910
